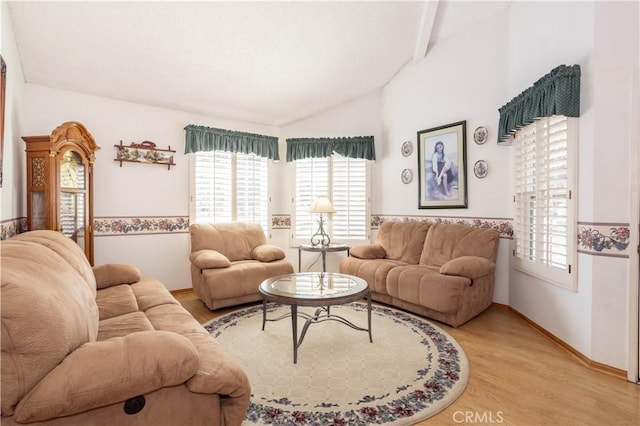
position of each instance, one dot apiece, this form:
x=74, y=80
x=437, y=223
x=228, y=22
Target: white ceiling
x=268, y=62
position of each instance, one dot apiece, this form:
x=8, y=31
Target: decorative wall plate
x=480, y=135
x=480, y=169
x=407, y=148
x=406, y=176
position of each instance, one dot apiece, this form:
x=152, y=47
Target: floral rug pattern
x=438, y=381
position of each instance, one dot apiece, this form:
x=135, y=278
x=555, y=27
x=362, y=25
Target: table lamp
x=321, y=205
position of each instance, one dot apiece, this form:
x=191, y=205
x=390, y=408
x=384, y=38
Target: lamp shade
x=321, y=205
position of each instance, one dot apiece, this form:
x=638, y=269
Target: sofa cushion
x=128, y=366
x=48, y=311
x=243, y=278
x=468, y=266
x=115, y=301
x=204, y=259
x=122, y=325
x=267, y=253
x=373, y=271
x=114, y=274
x=150, y=292
x=402, y=241
x=66, y=248
x=368, y=251
x=447, y=241
x=425, y=286
x=234, y=240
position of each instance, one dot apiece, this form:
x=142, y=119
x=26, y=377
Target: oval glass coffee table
x=320, y=289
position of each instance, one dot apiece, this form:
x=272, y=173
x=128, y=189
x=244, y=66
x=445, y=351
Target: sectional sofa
x=105, y=345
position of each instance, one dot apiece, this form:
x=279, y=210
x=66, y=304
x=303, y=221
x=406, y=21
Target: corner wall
x=461, y=78
x=602, y=37
x=11, y=193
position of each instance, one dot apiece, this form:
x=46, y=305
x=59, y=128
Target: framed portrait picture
x=442, y=167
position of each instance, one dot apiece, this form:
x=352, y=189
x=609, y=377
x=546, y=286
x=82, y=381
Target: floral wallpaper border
x=503, y=226
x=606, y=239
x=106, y=226
x=281, y=221
x=11, y=227
x=601, y=239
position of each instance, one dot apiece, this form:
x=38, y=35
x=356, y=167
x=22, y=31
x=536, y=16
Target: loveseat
x=440, y=271
x=230, y=260
x=104, y=345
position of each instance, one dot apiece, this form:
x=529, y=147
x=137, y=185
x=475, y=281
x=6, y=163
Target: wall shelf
x=144, y=152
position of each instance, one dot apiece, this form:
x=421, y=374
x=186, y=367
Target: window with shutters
x=229, y=187
x=345, y=181
x=545, y=199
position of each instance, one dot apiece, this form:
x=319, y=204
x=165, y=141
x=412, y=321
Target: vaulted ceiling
x=268, y=62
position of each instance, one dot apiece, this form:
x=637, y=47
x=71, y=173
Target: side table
x=320, y=249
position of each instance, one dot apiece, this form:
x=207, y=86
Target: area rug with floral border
x=411, y=371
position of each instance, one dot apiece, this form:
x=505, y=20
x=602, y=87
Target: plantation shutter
x=543, y=211
x=312, y=180
x=230, y=187
x=212, y=187
x=252, y=202
x=349, y=181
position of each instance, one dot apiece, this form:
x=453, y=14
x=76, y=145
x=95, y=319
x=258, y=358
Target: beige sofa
x=440, y=271
x=230, y=260
x=104, y=346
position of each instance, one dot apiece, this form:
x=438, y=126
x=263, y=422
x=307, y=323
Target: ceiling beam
x=426, y=27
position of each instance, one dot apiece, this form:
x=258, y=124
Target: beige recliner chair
x=230, y=260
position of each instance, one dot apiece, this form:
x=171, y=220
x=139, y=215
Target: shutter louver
x=312, y=180
x=345, y=182
x=230, y=187
x=349, y=198
x=542, y=226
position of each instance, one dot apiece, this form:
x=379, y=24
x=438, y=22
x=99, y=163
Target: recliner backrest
x=235, y=240
x=446, y=241
x=402, y=241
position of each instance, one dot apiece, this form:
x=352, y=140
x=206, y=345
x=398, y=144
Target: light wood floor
x=518, y=377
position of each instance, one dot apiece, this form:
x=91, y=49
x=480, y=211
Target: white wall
x=461, y=78
x=12, y=190
x=132, y=190
x=602, y=37
x=615, y=85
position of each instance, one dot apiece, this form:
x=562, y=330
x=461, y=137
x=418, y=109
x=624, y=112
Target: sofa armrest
x=267, y=253
x=103, y=373
x=468, y=266
x=368, y=251
x=208, y=259
x=112, y=274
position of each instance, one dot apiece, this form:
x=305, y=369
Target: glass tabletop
x=312, y=285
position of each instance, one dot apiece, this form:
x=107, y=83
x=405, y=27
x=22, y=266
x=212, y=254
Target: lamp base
x=320, y=238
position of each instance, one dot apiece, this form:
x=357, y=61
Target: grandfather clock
x=60, y=183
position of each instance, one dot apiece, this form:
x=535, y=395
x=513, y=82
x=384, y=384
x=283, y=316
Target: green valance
x=201, y=138
x=557, y=93
x=352, y=147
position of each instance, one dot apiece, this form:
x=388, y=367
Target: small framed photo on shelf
x=442, y=167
